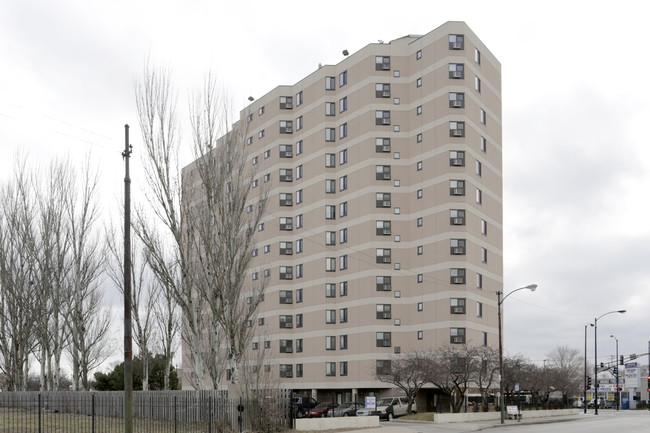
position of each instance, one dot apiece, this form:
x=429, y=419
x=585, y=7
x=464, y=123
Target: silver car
x=388, y=408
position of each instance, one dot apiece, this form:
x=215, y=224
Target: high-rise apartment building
x=383, y=231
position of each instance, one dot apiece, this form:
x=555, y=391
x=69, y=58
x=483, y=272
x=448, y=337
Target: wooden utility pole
x=128, y=345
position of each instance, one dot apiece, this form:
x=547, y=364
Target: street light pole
x=618, y=393
x=596, y=355
x=584, y=398
x=532, y=288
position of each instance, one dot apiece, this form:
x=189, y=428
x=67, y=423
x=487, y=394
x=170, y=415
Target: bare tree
x=486, y=372
x=566, y=369
x=452, y=370
x=167, y=322
x=409, y=372
x=166, y=252
x=87, y=320
x=223, y=226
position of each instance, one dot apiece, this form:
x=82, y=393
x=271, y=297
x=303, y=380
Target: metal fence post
x=175, y=411
x=39, y=412
x=92, y=412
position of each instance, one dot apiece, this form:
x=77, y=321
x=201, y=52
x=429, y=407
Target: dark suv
x=301, y=406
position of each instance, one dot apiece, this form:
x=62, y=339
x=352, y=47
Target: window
x=330, y=186
x=330, y=369
x=343, y=183
x=343, y=130
x=299, y=196
x=260, y=134
x=456, y=187
x=420, y=250
x=383, y=255
x=456, y=100
x=299, y=366
x=249, y=118
x=456, y=42
x=343, y=209
x=343, y=315
x=477, y=84
x=255, y=276
x=483, y=144
x=383, y=284
x=479, y=196
x=418, y=55
x=267, y=154
x=286, y=272
x=330, y=134
x=330, y=290
x=343, y=104
x=483, y=227
x=343, y=78
x=267, y=177
x=254, y=183
x=286, y=346
x=343, y=157
x=267, y=249
x=286, y=223
x=383, y=339
x=330, y=109
x=298, y=99
x=256, y=345
x=382, y=172
x=249, y=140
x=255, y=158
x=456, y=158
x=419, y=138
x=456, y=71
x=330, y=264
x=298, y=296
x=260, y=111
x=420, y=306
x=477, y=56
x=286, y=175
x=299, y=124
x=419, y=222
x=330, y=316
x=286, y=126
x=420, y=335
x=298, y=147
x=286, y=248
x=330, y=238
x=382, y=63
x=343, y=368
x=457, y=247
x=484, y=255
x=330, y=160
x=420, y=278
x=286, y=321
x=255, y=252
x=382, y=367
x=286, y=297
x=299, y=172
x=286, y=151
x=382, y=90
x=383, y=311
x=343, y=236
x=457, y=306
x=382, y=145
x=457, y=336
x=267, y=344
x=286, y=370
x=479, y=309
x=382, y=117
x=330, y=212
x=419, y=193
x=343, y=288
x=299, y=345
x=299, y=221
x=343, y=262
x=457, y=217
x=286, y=199
x=383, y=228
x=419, y=166
x=286, y=102
x=484, y=338
x=418, y=82
x=330, y=83
x=418, y=110
x=267, y=272
x=330, y=342
x=457, y=275
x=456, y=129
x=299, y=320
x=260, y=227
x=478, y=168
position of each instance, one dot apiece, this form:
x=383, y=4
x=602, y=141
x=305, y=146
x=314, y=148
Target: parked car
x=346, y=409
x=302, y=405
x=578, y=403
x=609, y=404
x=321, y=410
x=592, y=403
x=388, y=408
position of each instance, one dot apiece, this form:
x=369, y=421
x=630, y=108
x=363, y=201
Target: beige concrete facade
x=393, y=168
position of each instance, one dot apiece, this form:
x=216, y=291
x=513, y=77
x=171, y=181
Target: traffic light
x=620, y=360
x=648, y=383
x=615, y=371
x=589, y=382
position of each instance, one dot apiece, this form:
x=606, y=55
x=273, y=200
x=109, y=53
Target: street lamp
x=618, y=393
x=532, y=288
x=584, y=399
x=596, y=355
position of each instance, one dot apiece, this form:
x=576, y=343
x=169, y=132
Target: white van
x=388, y=408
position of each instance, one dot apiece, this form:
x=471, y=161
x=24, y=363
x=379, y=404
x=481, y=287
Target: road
x=607, y=421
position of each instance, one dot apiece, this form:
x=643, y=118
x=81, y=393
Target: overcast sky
x=576, y=169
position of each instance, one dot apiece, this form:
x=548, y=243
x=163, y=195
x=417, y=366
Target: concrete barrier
x=443, y=418
x=333, y=423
